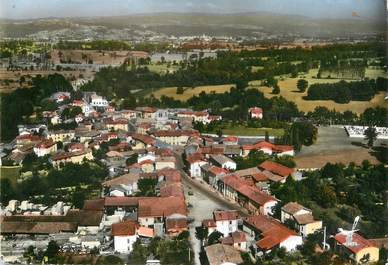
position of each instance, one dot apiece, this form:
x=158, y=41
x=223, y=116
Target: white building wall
x=124, y=244
x=291, y=243
x=268, y=207
x=227, y=226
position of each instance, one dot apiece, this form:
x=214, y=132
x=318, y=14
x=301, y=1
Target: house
x=255, y=113
x=98, y=101
x=226, y=221
x=196, y=116
x=73, y=157
x=361, y=251
x=124, y=235
x=230, y=140
x=141, y=141
x=120, y=190
x=129, y=181
x=223, y=161
x=265, y=147
x=277, y=169
x=154, y=211
x=45, y=147
x=61, y=135
x=147, y=112
x=176, y=224
x=165, y=162
x=236, y=239
x=28, y=139
x=176, y=137
x=220, y=254
x=195, y=161
x=147, y=166
x=268, y=148
x=268, y=234
x=303, y=218
x=211, y=174
x=117, y=124
x=255, y=200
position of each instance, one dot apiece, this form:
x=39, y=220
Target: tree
x=276, y=90
x=214, y=237
x=52, y=251
x=78, y=198
x=201, y=233
x=302, y=85
x=179, y=90
x=147, y=187
x=219, y=133
x=370, y=135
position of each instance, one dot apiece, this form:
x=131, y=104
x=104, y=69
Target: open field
x=84, y=56
x=333, y=145
x=189, y=92
x=289, y=91
x=13, y=77
x=244, y=131
x=162, y=68
x=10, y=172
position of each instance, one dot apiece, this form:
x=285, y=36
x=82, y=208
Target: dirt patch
x=334, y=146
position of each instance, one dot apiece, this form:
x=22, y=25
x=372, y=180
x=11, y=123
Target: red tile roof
x=233, y=139
x=276, y=168
x=172, y=189
x=123, y=201
x=208, y=223
x=45, y=144
x=256, y=110
x=361, y=242
x=127, y=228
x=234, y=182
x=272, y=232
x=225, y=215
x=218, y=170
x=175, y=133
x=161, y=206
x=143, y=138
x=255, y=195
x=196, y=157
x=170, y=174
x=176, y=224
x=259, y=146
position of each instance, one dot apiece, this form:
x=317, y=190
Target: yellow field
x=289, y=91
x=189, y=92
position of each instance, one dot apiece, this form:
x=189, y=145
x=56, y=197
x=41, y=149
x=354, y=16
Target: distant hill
x=178, y=24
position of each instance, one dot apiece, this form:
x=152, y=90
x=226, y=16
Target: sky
x=25, y=9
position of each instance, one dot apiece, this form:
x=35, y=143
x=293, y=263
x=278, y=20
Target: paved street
x=203, y=202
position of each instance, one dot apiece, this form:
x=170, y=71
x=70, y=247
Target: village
x=158, y=152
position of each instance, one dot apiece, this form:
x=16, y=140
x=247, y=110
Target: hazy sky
x=21, y=9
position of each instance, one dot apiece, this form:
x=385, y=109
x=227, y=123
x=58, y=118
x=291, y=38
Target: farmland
x=189, y=92
x=289, y=91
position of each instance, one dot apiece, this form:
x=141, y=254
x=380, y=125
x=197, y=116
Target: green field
x=240, y=130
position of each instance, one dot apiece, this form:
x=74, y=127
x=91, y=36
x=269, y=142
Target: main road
x=202, y=201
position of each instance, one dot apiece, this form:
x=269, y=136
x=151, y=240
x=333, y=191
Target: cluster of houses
x=260, y=234
x=147, y=144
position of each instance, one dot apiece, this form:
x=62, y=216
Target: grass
x=190, y=92
x=241, y=130
x=162, y=68
x=289, y=91
x=10, y=172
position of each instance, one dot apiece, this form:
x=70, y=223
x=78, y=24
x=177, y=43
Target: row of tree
x=344, y=92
